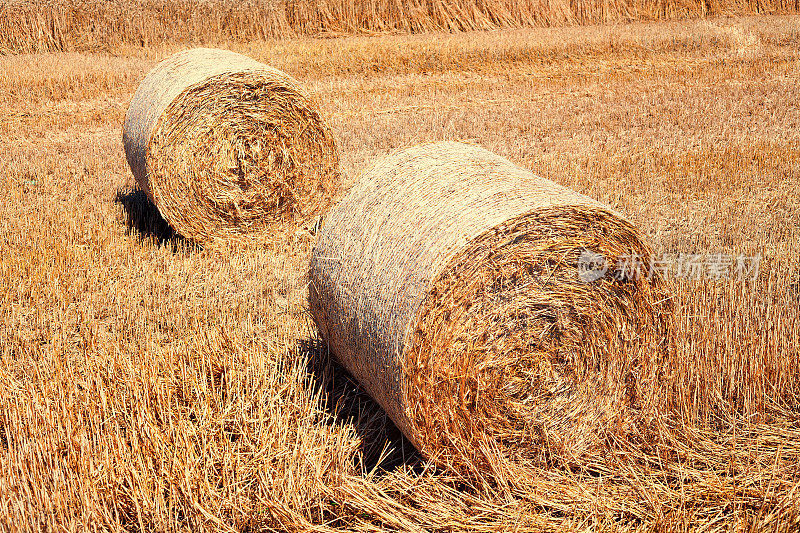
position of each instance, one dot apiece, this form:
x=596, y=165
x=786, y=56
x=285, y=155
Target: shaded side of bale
x=225, y=145
x=447, y=282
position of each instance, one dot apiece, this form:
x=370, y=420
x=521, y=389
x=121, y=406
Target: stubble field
x=149, y=384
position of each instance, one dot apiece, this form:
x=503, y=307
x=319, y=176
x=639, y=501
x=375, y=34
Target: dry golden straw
x=449, y=283
x=32, y=26
x=225, y=145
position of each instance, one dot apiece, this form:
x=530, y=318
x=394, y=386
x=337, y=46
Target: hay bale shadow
x=144, y=220
x=383, y=446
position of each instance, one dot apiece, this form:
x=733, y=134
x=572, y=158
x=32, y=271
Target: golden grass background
x=96, y=25
x=147, y=384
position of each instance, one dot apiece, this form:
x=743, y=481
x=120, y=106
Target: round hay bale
x=224, y=145
x=485, y=309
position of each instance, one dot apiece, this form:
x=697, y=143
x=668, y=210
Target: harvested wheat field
x=151, y=383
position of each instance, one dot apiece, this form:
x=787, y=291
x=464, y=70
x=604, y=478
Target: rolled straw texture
x=448, y=281
x=224, y=145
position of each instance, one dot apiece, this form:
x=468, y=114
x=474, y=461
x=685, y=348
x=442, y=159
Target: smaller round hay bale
x=469, y=298
x=224, y=145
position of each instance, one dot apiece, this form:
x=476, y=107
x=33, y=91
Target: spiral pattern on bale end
x=226, y=146
x=449, y=283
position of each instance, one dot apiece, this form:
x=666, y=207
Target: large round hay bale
x=468, y=297
x=224, y=145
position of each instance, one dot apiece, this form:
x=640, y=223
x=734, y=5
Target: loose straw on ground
x=225, y=146
x=468, y=296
